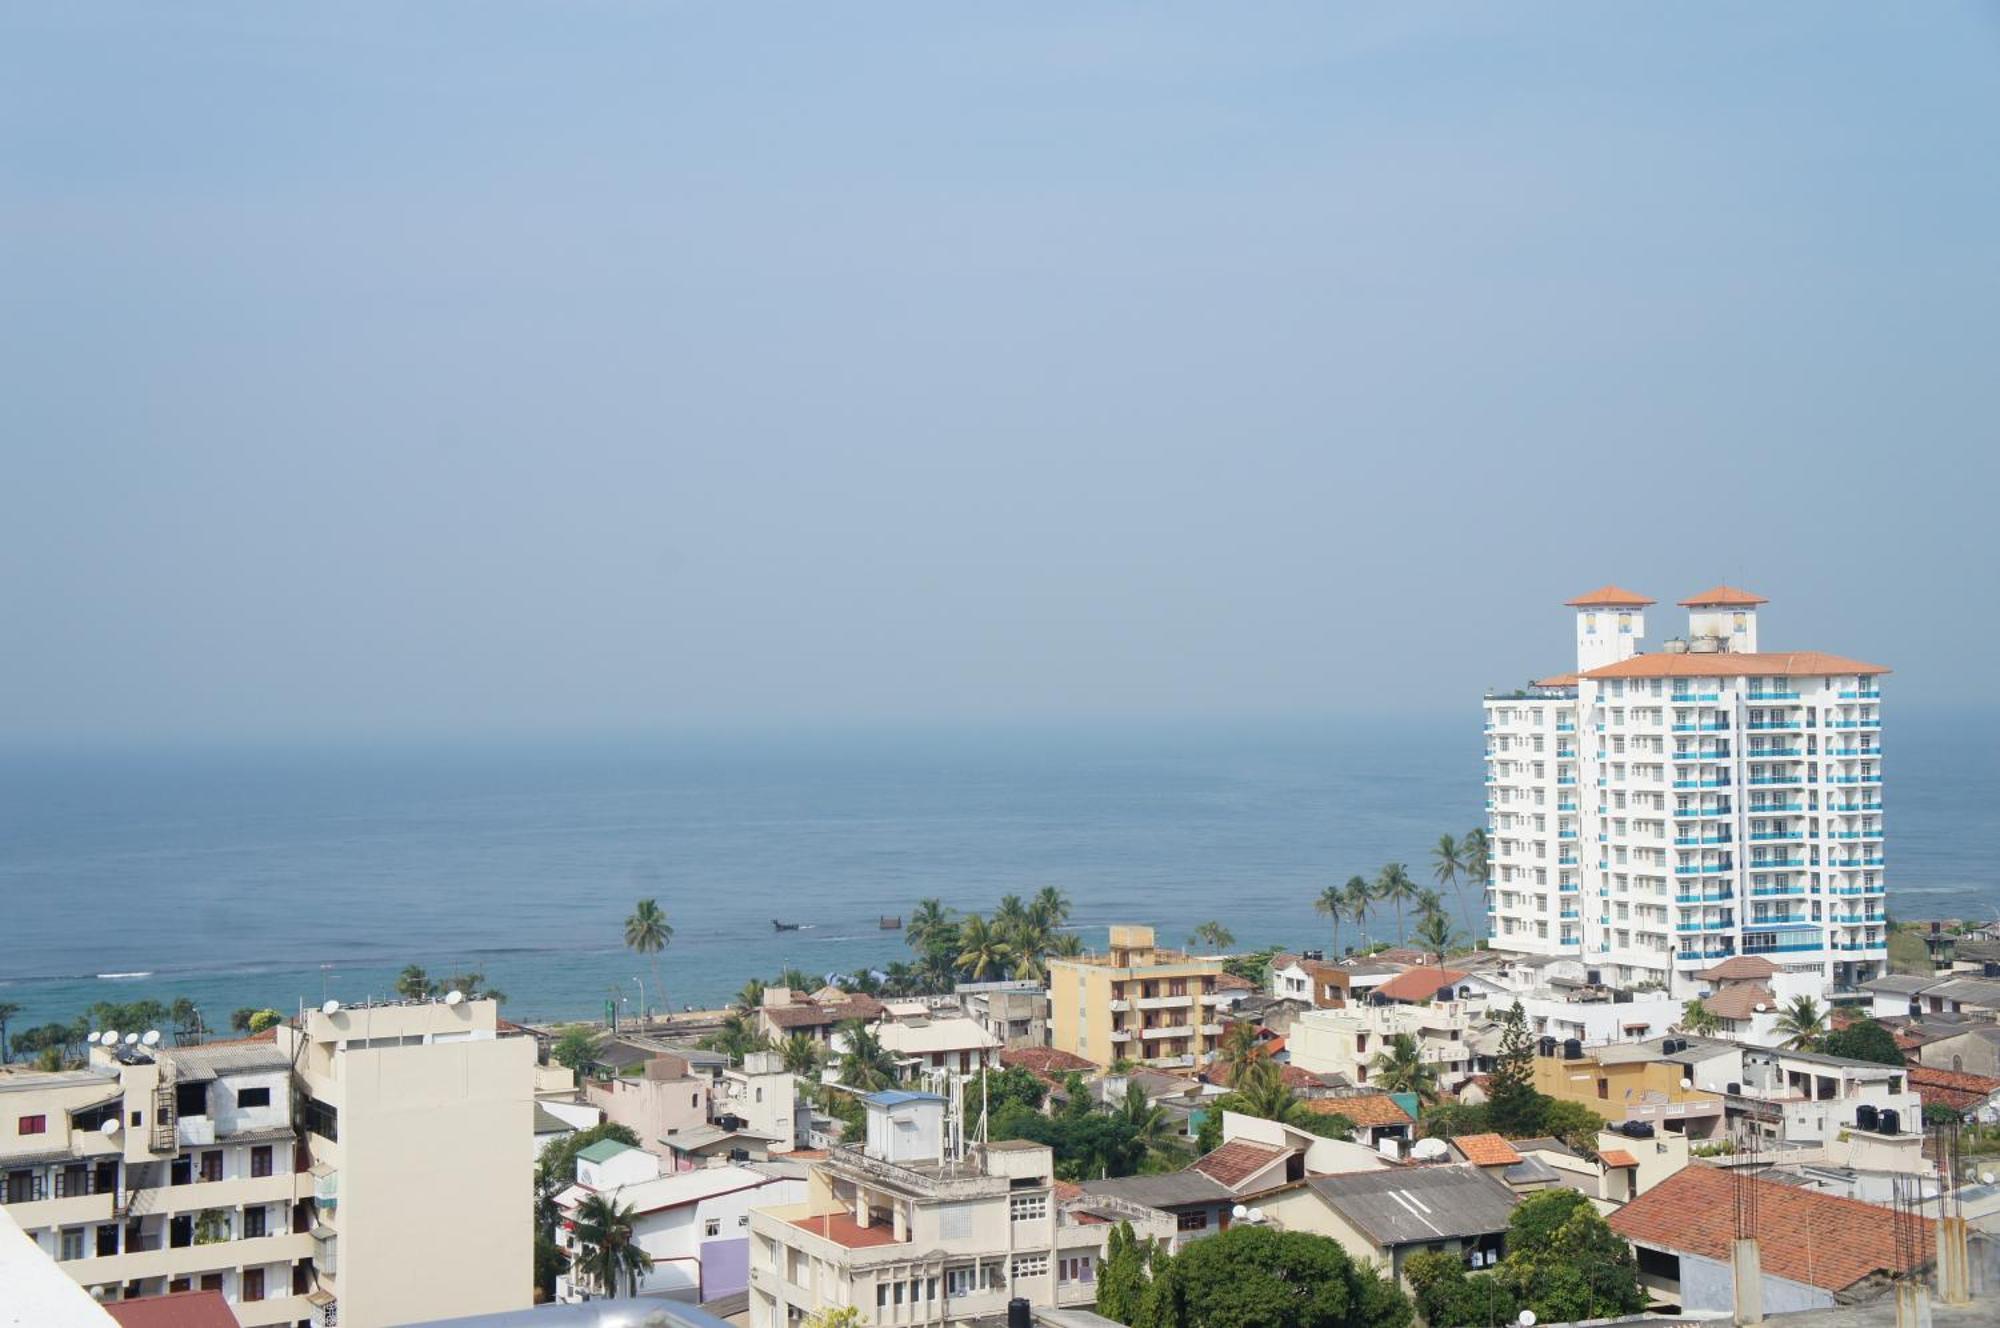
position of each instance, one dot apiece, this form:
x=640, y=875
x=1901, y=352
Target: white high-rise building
x=1653, y=813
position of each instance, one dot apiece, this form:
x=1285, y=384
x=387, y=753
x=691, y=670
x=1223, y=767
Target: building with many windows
x=1653, y=813
x=1136, y=1002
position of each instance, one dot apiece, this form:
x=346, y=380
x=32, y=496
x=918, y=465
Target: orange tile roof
x=1723, y=597
x=1819, y=1239
x=1486, y=1150
x=1732, y=664
x=1418, y=984
x=1950, y=1088
x=1065, y=1191
x=1617, y=1157
x=1045, y=1060
x=1369, y=1110
x=1739, y=1001
x=1739, y=966
x=1610, y=597
x=1557, y=680
x=841, y=1229
x=1237, y=1161
x=179, y=1309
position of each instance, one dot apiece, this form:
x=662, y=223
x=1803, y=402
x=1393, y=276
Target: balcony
x=1855, y=724
x=1711, y=783
x=1565, y=728
x=1775, y=864
x=1766, y=781
x=1211, y=1030
x=1120, y=1006
x=1791, y=835
x=1772, y=754
x=1768, y=808
x=1700, y=756
x=1692, y=841
x=1856, y=779
x=1847, y=807
x=1691, y=813
x=1850, y=753
x=1703, y=868
x=1787, y=947
x=1776, y=891
x=1756, y=697
x=1167, y=1031
x=1694, y=698
x=1566, y=781
x=1864, y=694
x=1770, y=725
x=1121, y=1035
x=1849, y=864
x=1163, y=1002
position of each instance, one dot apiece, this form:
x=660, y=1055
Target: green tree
x=1433, y=935
x=1803, y=1023
x=1394, y=886
x=576, y=1048
x=1565, y=1262
x=263, y=1019
x=1863, y=1040
x=1401, y=1068
x=1449, y=1120
x=1066, y=945
x=557, y=1163
x=1050, y=907
x=648, y=932
x=751, y=998
x=413, y=984
x=1360, y=898
x=1573, y=1123
x=1121, y=1278
x=1332, y=904
x=1151, y=1131
x=983, y=951
x=735, y=1037
x=1696, y=1018
x=801, y=1053
x=843, y=1106
x=930, y=927
x=239, y=1018
x=1212, y=936
x=1241, y=1048
x=8, y=1011
x=606, y=1252
x=866, y=1064
x=834, y=1316
x=189, y=1027
x=1208, y=1134
x=1448, y=870
x=1512, y=1102
x=1251, y=1276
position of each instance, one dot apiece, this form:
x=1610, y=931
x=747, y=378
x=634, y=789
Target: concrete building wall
x=1706, y=1284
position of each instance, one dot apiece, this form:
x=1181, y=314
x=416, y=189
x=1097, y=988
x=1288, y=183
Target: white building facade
x=1653, y=813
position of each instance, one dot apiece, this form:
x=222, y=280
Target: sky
x=501, y=367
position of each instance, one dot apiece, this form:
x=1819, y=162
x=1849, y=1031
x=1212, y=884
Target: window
x=957, y=1282
x=211, y=1166
x=760, y=1092
x=253, y=1284
x=70, y=1246
x=256, y=1223
x=1030, y=1265
x=743, y=1221
x=1082, y=1268
x=32, y=1125
x=1028, y=1207
x=253, y=1097
x=323, y=1120
x=191, y=1099
x=260, y=1160
x=1195, y=1221
x=712, y=1227
x=211, y=1281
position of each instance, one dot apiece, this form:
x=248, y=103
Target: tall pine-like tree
x=1121, y=1278
x=1512, y=1103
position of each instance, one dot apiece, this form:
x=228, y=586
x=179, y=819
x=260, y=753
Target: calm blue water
x=265, y=877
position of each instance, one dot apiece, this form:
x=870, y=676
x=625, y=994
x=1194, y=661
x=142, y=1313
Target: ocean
x=274, y=876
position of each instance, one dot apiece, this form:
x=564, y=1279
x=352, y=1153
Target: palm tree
x=1066, y=945
x=1803, y=1023
x=1478, y=857
x=188, y=1026
x=1213, y=935
x=648, y=932
x=929, y=923
x=1050, y=907
x=1394, y=886
x=898, y=979
x=1332, y=903
x=606, y=1251
x=1400, y=1068
x=1359, y=896
x=797, y=979
x=1241, y=1048
x=1147, y=1122
x=413, y=984
x=1261, y=1091
x=1011, y=913
x=8, y=1012
x=1447, y=867
x=801, y=1053
x=736, y=1037
x=1696, y=1018
x=982, y=952
x=1434, y=934
x=866, y=1064
x=751, y=998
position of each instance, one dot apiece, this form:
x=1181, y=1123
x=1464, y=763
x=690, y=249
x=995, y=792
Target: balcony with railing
x=1756, y=697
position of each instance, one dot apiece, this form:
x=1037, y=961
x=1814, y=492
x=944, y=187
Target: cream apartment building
x=1653, y=813
x=1135, y=1002
x=157, y=1169
x=1346, y=1041
x=411, y=1120
x=912, y=1229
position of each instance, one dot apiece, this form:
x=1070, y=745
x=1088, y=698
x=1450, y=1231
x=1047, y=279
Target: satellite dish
x=1687, y=1083
x=1985, y=1178
x=109, y=1128
x=331, y=1007
x=1761, y=1007
x=1527, y=1319
x=454, y=997
x=131, y=1039
x=152, y=1038
x=110, y=1037
x=1239, y=1212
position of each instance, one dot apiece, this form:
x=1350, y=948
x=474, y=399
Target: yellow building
x=1136, y=1002
x=1632, y=1081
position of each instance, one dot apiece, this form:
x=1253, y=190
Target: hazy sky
x=495, y=366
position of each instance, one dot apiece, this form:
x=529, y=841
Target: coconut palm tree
x=1803, y=1023
x=1066, y=945
x=8, y=1012
x=606, y=1253
x=797, y=979
x=1448, y=869
x=1332, y=903
x=1261, y=1092
x=1433, y=933
x=983, y=951
x=1360, y=895
x=1011, y=913
x=1478, y=857
x=751, y=998
x=648, y=932
x=937, y=971
x=736, y=1037
x=1696, y=1018
x=1146, y=1121
x=928, y=923
x=801, y=1053
x=1394, y=886
x=1241, y=1048
x=1400, y=1068
x=866, y=1064
x=413, y=984
x=1212, y=935
x=1050, y=906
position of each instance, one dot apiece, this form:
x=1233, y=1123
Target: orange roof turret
x=1723, y=597
x=1610, y=597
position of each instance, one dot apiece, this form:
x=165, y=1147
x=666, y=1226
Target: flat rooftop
x=843, y=1230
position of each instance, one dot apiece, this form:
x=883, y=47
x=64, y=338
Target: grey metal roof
x=1543, y=1144
x=1982, y=992
x=1414, y=1206
x=1173, y=1189
x=226, y=1058
x=547, y=1122
x=1530, y=1170
x=1900, y=984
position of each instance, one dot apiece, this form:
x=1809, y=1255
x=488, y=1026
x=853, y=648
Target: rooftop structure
x=1653, y=814
x=1137, y=1002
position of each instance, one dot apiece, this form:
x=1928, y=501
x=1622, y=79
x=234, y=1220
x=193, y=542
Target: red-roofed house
x=1248, y=1167
x=182, y=1309
x=1976, y=1096
x=1815, y=1248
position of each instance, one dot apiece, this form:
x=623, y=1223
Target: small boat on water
x=889, y=924
x=783, y=926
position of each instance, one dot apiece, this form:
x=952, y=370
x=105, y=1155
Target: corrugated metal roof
x=1412, y=1206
